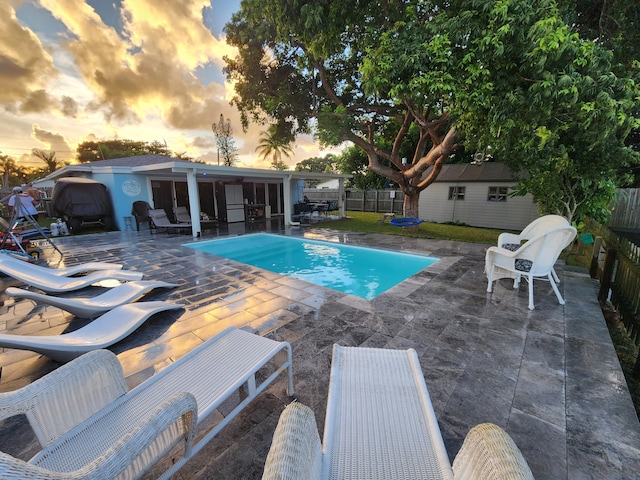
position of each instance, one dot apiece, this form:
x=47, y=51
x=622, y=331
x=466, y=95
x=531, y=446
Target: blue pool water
x=364, y=272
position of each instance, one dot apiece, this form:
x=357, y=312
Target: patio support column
x=341, y=198
x=287, y=200
x=194, y=202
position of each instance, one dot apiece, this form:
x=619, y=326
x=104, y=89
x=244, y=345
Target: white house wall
x=476, y=210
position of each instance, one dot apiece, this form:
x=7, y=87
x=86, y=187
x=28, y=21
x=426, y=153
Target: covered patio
x=549, y=377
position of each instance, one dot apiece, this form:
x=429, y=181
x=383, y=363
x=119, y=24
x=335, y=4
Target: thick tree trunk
x=410, y=206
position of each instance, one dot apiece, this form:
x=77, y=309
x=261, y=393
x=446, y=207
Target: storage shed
x=478, y=195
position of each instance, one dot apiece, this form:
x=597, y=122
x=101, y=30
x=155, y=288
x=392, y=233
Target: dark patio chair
x=140, y=212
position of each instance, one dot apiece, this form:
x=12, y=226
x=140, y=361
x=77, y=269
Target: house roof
x=484, y=172
x=162, y=165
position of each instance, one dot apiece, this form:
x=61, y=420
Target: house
x=478, y=195
x=221, y=192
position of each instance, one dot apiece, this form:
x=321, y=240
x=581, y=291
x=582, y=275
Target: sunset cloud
x=147, y=70
x=25, y=66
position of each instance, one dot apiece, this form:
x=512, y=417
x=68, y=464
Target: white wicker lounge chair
x=380, y=424
x=90, y=307
x=91, y=427
x=102, y=332
x=540, y=225
x=533, y=259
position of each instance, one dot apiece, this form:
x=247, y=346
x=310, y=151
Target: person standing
x=27, y=203
x=33, y=192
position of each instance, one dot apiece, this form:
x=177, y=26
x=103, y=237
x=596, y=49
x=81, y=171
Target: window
x=456, y=193
x=498, y=194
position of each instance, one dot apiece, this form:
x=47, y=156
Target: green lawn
x=368, y=222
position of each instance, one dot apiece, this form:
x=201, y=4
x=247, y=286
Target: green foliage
x=416, y=79
x=554, y=110
x=353, y=161
x=93, y=150
x=326, y=164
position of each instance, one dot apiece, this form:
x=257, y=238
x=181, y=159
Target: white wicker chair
x=380, y=424
x=91, y=427
x=540, y=225
x=533, y=259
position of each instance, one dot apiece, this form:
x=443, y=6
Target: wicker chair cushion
x=523, y=265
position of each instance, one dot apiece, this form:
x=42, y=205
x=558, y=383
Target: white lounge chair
x=533, y=259
x=52, y=283
x=9, y=261
x=90, y=307
x=102, y=332
x=512, y=241
x=91, y=427
x=380, y=423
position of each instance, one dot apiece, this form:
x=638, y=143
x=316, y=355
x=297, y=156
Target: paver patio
x=550, y=377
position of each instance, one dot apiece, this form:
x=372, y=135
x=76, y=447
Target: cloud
x=147, y=68
x=25, y=66
x=53, y=141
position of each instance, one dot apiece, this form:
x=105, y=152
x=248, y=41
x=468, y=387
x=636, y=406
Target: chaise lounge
x=91, y=427
x=159, y=219
x=102, y=332
x=83, y=307
x=380, y=423
x=52, y=283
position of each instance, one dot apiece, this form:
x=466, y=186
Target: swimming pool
x=364, y=272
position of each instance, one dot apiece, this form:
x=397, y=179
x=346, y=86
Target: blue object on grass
x=405, y=222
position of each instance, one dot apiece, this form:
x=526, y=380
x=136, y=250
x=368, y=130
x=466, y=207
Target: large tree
x=422, y=77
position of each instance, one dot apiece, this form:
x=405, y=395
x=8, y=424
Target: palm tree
x=7, y=165
x=48, y=157
x=272, y=146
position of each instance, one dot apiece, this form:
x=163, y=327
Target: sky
x=142, y=70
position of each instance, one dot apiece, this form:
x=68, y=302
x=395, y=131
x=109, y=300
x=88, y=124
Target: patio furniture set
x=379, y=422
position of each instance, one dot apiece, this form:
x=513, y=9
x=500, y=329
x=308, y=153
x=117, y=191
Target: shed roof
x=484, y=172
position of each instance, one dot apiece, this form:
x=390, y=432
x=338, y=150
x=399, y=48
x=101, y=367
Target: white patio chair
x=9, y=261
x=540, y=225
x=102, y=332
x=84, y=307
x=50, y=280
x=533, y=259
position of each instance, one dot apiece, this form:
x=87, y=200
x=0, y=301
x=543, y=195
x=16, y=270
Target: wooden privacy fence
x=625, y=211
x=616, y=263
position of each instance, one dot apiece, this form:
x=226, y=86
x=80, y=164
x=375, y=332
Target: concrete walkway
x=550, y=377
